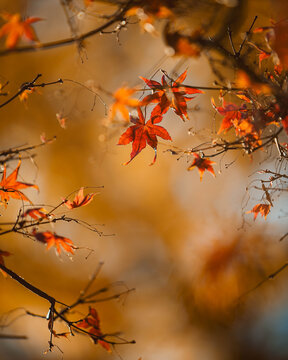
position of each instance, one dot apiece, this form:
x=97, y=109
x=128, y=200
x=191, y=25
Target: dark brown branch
x=13, y=337
x=76, y=39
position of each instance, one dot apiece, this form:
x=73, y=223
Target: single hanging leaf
x=79, y=200
x=262, y=209
x=3, y=253
x=143, y=133
x=16, y=28
x=167, y=96
x=91, y=323
x=9, y=187
x=51, y=239
x=123, y=100
x=202, y=165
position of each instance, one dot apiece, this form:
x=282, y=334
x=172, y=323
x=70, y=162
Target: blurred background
x=180, y=243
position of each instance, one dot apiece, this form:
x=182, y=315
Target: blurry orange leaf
x=167, y=96
x=262, y=209
x=61, y=120
x=243, y=81
x=3, y=253
x=202, y=165
x=9, y=187
x=52, y=239
x=142, y=133
x=122, y=101
x=36, y=213
x=16, y=28
x=92, y=324
x=23, y=97
x=184, y=45
x=79, y=200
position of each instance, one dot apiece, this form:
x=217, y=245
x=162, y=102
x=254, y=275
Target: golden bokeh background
x=180, y=243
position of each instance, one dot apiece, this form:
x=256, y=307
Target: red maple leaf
x=230, y=112
x=79, y=200
x=3, y=253
x=52, y=239
x=16, y=28
x=143, y=133
x=169, y=96
x=202, y=165
x=262, y=209
x=9, y=187
x=92, y=324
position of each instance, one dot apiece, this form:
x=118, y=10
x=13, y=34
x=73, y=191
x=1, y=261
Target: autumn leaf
x=284, y=123
x=3, y=253
x=91, y=323
x=202, y=165
x=61, y=120
x=230, y=112
x=123, y=100
x=262, y=209
x=143, y=133
x=169, y=96
x=152, y=10
x=52, y=239
x=36, y=213
x=16, y=28
x=79, y=199
x=184, y=45
x=9, y=187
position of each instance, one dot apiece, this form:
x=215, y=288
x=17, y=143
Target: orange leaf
x=52, y=239
x=9, y=187
x=122, y=101
x=167, y=96
x=36, y=213
x=263, y=209
x=230, y=113
x=79, y=200
x=202, y=165
x=16, y=28
x=3, y=253
x=92, y=324
x=142, y=133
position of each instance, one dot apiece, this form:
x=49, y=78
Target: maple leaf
x=36, y=213
x=169, y=96
x=202, y=165
x=16, y=28
x=9, y=187
x=123, y=100
x=92, y=324
x=142, y=133
x=52, y=239
x=230, y=112
x=3, y=253
x=184, y=45
x=61, y=120
x=79, y=200
x=263, y=209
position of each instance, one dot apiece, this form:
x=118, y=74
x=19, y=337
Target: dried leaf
x=79, y=200
x=262, y=209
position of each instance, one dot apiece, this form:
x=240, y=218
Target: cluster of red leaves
x=166, y=96
x=10, y=187
x=51, y=239
x=91, y=323
x=16, y=28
